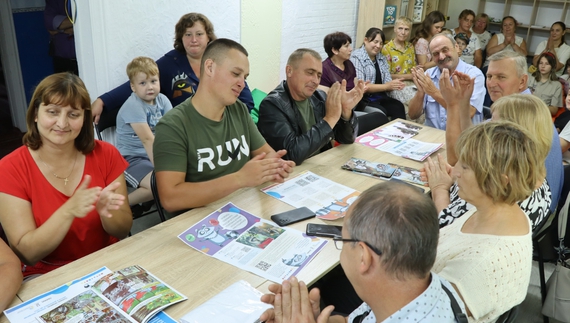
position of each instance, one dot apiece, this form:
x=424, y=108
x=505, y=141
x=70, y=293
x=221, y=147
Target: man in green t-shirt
x=303, y=120
x=208, y=146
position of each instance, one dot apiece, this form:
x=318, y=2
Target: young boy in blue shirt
x=135, y=125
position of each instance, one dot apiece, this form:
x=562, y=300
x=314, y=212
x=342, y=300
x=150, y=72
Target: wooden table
x=200, y=277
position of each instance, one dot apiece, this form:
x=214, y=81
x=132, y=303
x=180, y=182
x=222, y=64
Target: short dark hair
x=218, y=49
x=298, y=54
x=61, y=89
x=463, y=37
x=335, y=41
x=402, y=223
x=373, y=32
x=187, y=21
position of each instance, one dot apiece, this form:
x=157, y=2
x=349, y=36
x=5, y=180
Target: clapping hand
x=293, y=302
x=109, y=200
x=83, y=199
x=286, y=165
x=437, y=173
x=459, y=92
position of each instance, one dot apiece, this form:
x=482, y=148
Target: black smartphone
x=293, y=216
x=323, y=230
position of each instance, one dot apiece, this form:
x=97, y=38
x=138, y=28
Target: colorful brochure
x=246, y=241
x=398, y=131
x=380, y=170
x=329, y=200
x=128, y=295
x=399, y=145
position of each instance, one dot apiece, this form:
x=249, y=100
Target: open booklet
x=246, y=241
x=396, y=140
x=329, y=200
x=128, y=295
x=403, y=173
x=239, y=303
x=398, y=131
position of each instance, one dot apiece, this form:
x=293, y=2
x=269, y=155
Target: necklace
x=65, y=179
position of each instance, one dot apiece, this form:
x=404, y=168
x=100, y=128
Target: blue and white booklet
x=129, y=295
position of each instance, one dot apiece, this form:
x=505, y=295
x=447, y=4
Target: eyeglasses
x=339, y=241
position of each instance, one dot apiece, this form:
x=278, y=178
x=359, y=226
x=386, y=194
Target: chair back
x=154, y=190
x=105, y=129
x=509, y=316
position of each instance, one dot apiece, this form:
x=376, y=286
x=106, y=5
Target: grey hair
x=402, y=223
x=520, y=61
x=298, y=54
x=447, y=35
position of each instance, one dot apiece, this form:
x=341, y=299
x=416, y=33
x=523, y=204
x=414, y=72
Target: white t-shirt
x=468, y=55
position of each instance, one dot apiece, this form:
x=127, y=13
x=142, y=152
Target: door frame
x=11, y=66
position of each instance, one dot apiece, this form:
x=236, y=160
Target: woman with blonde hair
x=480, y=29
x=532, y=114
x=498, y=166
x=401, y=57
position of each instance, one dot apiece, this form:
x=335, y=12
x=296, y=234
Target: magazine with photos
x=129, y=295
x=365, y=167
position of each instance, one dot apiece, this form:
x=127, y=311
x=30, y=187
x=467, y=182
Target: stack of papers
x=239, y=303
x=396, y=139
x=329, y=200
x=403, y=173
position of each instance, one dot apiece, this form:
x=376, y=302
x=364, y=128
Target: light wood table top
x=200, y=277
x=158, y=250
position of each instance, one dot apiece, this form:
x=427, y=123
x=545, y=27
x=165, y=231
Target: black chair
x=154, y=190
x=107, y=120
x=543, y=249
x=509, y=316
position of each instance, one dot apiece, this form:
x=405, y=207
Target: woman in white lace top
x=487, y=253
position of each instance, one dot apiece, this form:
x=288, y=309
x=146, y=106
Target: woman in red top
x=62, y=194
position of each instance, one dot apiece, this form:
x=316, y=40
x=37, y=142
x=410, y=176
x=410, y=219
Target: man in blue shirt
x=395, y=285
x=428, y=98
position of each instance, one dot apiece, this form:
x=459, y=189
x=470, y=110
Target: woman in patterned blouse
x=532, y=114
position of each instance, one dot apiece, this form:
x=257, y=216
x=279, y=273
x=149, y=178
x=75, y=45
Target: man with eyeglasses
x=444, y=53
x=389, y=244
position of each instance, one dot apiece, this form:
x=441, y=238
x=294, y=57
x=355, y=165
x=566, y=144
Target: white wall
x=109, y=34
x=261, y=36
x=306, y=23
x=455, y=8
